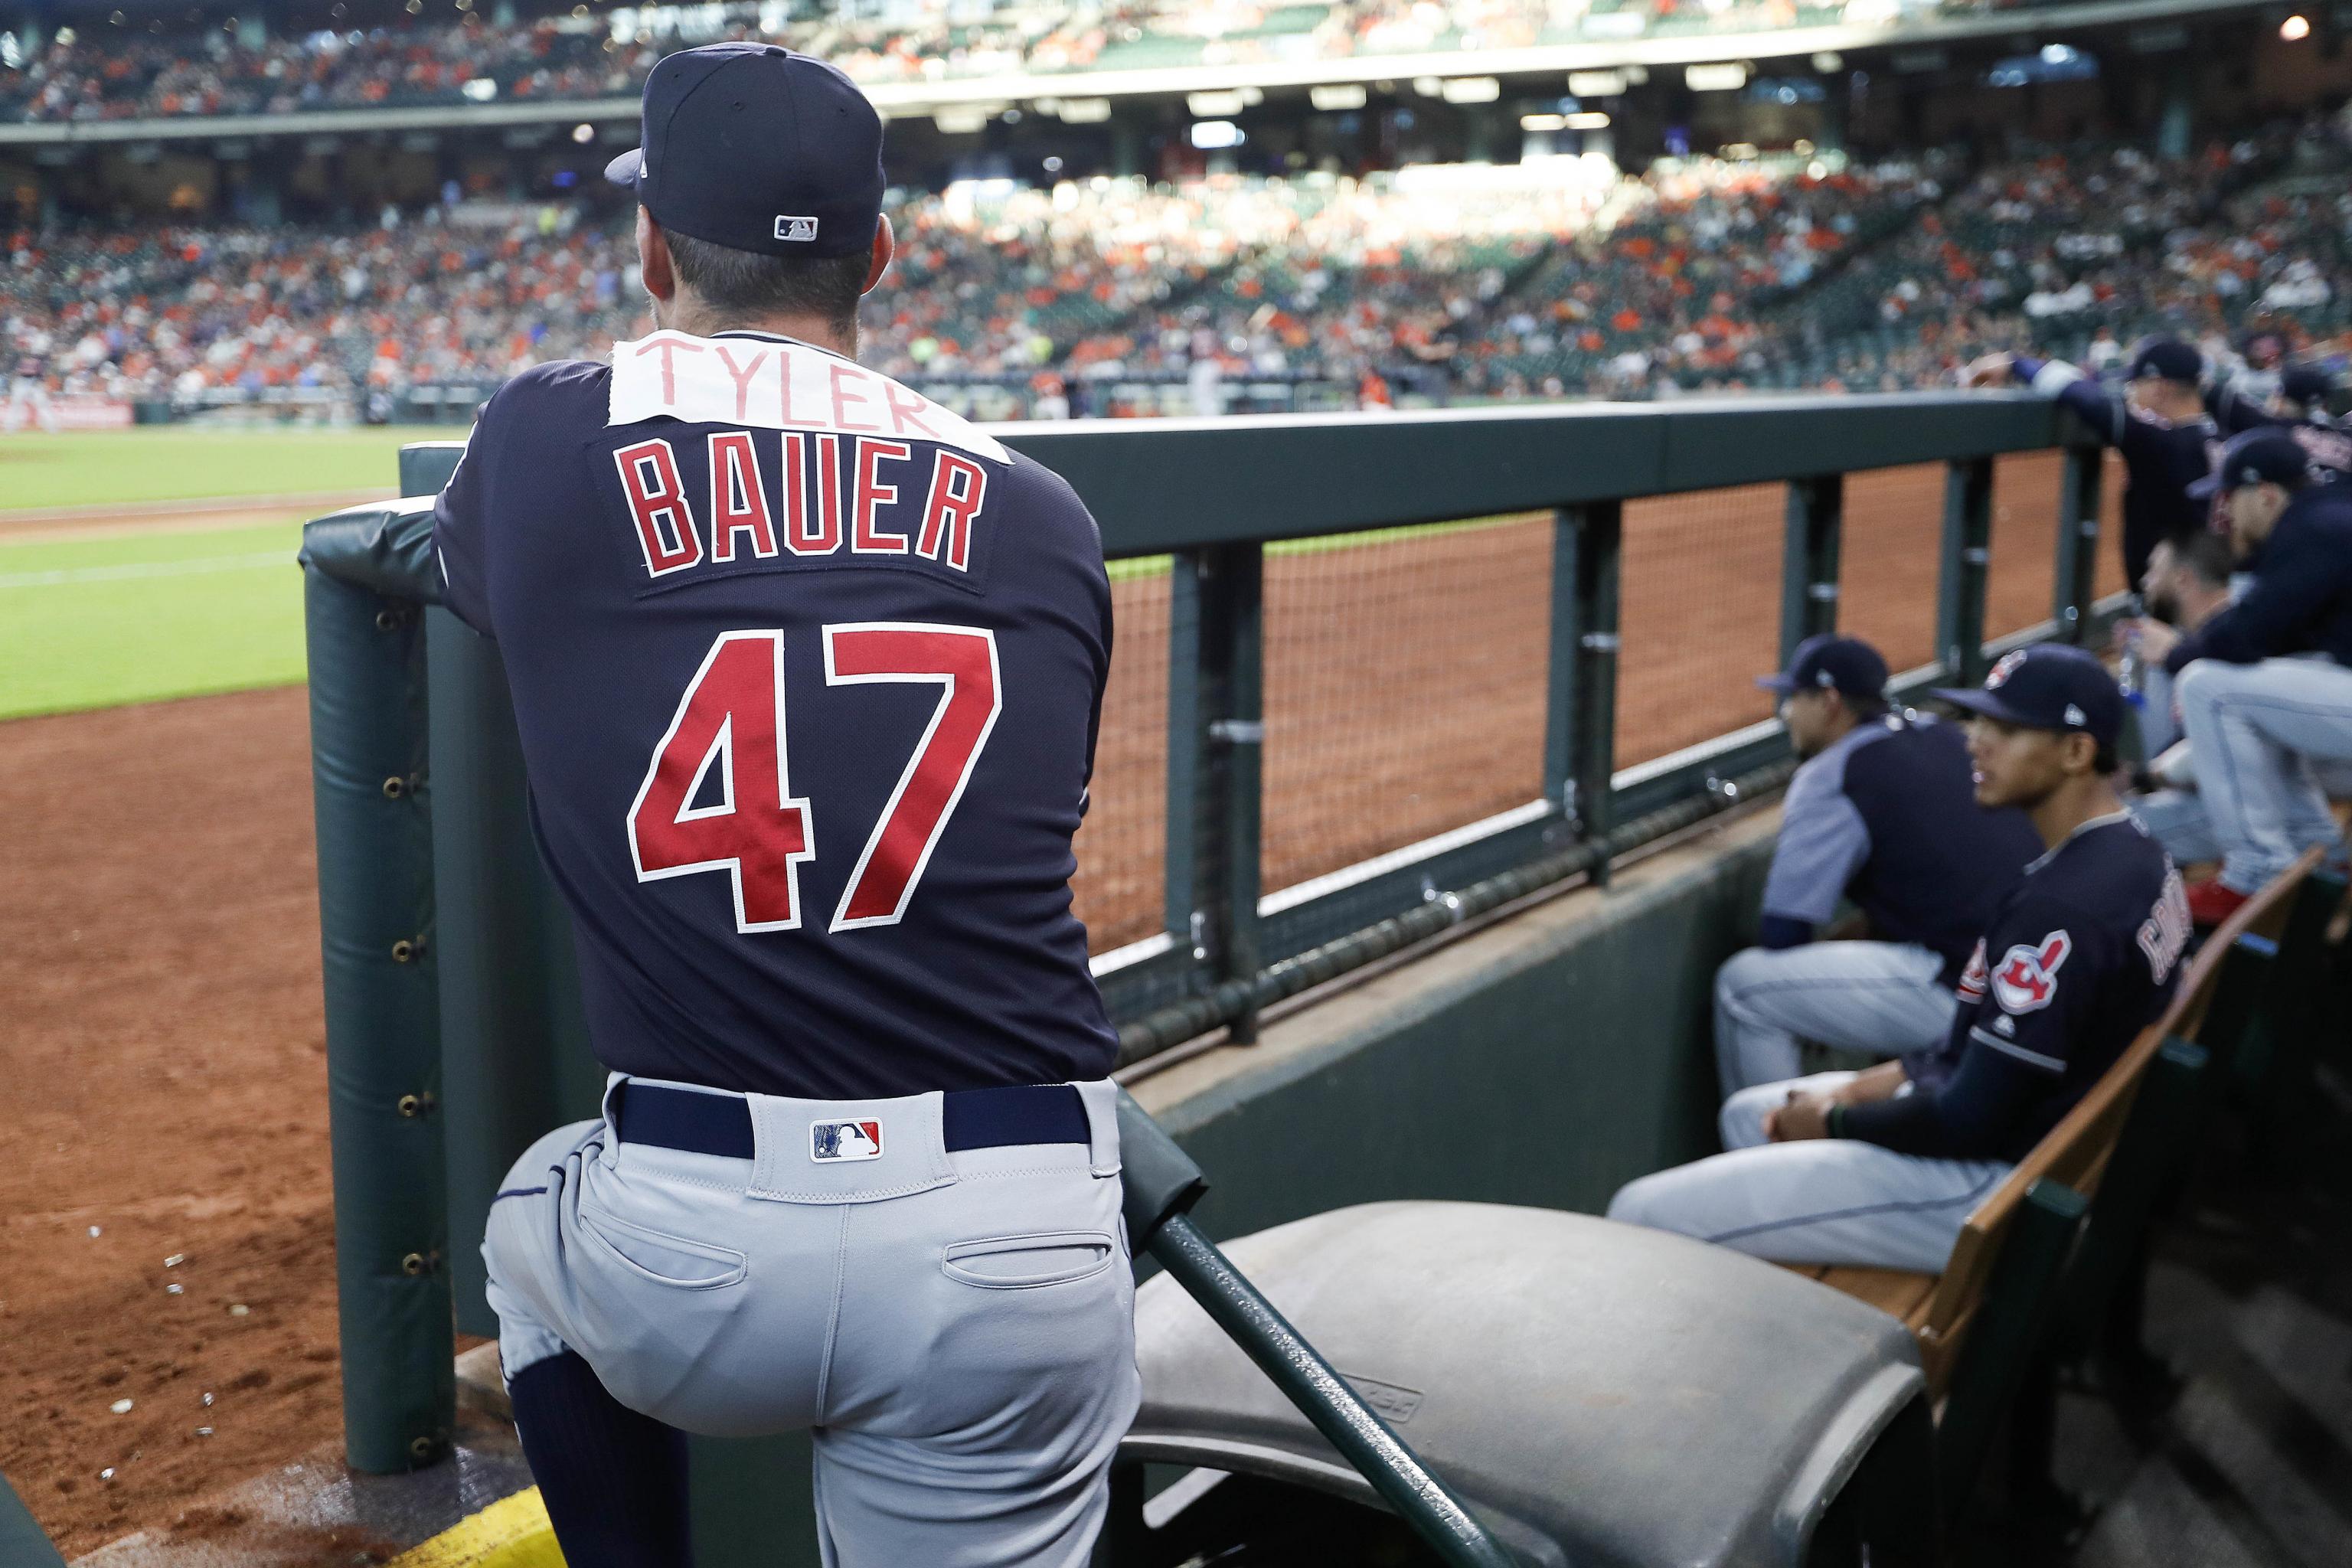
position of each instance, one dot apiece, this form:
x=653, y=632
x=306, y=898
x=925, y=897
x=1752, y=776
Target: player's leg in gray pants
x=2176, y=818
x=2258, y=732
x=957, y=1330
x=1882, y=997
x=1824, y=1200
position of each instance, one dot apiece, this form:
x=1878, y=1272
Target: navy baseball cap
x=756, y=148
x=2306, y=385
x=2267, y=455
x=2168, y=358
x=2047, y=686
x=1845, y=665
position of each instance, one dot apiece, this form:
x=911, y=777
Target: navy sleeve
x=2293, y=586
x=1823, y=841
x=2056, y=379
x=1778, y=931
x=458, y=524
x=2045, y=959
x=2235, y=412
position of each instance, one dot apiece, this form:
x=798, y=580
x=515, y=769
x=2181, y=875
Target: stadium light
x=1084, y=111
x=1715, y=79
x=1215, y=105
x=1596, y=84
x=1472, y=89
x=1829, y=61
x=2294, y=29
x=583, y=133
x=1336, y=98
x=1588, y=120
x=1214, y=135
x=1543, y=122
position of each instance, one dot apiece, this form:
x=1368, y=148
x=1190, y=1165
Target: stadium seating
x=104, y=73
x=1538, y=279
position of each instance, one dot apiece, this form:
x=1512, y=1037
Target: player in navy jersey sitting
x=1880, y=1168
x=1879, y=813
x=807, y=671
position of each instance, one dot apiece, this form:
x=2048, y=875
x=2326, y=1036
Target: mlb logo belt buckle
x=841, y=1140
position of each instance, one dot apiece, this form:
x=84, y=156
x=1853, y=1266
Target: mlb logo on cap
x=799, y=229
x=831, y=1140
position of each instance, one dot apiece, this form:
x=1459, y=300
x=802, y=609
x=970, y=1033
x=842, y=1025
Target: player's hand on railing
x=1988, y=369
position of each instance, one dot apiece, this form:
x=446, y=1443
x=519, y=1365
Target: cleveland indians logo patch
x=831, y=1140
x=1999, y=675
x=2028, y=977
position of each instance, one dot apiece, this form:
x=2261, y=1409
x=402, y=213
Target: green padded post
x=2006, y=1335
x=369, y=758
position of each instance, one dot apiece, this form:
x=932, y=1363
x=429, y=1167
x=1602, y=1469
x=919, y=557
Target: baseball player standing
x=2160, y=426
x=1882, y=812
x=807, y=672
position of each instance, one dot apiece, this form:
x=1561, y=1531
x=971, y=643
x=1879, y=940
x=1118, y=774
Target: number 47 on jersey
x=732, y=720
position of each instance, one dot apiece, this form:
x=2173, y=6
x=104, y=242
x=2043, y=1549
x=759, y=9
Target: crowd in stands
x=1542, y=281
x=105, y=72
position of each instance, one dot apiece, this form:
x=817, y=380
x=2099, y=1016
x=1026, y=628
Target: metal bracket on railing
x=1598, y=642
x=1162, y=1183
x=1238, y=731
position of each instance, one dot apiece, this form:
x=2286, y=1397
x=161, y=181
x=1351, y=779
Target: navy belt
x=969, y=1118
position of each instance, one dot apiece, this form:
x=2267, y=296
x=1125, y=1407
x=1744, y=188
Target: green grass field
x=90, y=622
x=135, y=617
x=189, y=462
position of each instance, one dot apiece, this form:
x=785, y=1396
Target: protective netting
x=1888, y=556
x=1406, y=669
x=1699, y=617
x=1406, y=674
x=2026, y=489
x=1121, y=845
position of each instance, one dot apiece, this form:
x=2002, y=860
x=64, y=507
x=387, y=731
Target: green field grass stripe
x=125, y=572
x=193, y=462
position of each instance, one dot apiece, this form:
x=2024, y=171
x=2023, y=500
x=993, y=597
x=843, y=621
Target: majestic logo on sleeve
x=831, y=1140
x=2028, y=977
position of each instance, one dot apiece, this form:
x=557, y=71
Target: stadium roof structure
x=912, y=99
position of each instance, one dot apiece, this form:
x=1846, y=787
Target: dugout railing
x=453, y=1021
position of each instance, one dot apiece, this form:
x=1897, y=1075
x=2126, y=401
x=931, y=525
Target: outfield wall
x=1543, y=1062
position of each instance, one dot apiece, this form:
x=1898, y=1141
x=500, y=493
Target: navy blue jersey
x=2301, y=597
x=807, y=672
x=2161, y=459
x=1886, y=815
x=2328, y=445
x=2079, y=957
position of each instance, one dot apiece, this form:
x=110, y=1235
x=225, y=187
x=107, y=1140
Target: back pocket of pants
x=663, y=1259
x=1026, y=1262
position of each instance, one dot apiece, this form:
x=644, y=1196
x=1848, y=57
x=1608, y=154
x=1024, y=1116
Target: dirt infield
x=161, y=985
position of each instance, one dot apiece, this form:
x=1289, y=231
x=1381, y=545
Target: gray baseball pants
x=955, y=1329
x=2258, y=734
x=1882, y=997
x=1838, y=1201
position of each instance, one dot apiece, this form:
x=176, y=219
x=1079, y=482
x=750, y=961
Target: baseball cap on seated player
x=2264, y=456
x=2047, y=686
x=753, y=147
x=1845, y=665
x=2167, y=359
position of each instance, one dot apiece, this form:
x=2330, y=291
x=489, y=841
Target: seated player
x=1882, y=813
x=2265, y=687
x=2297, y=405
x=1881, y=1168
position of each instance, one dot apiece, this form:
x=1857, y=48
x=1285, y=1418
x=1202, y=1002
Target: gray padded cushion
x=1602, y=1394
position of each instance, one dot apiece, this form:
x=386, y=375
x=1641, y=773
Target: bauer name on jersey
x=807, y=671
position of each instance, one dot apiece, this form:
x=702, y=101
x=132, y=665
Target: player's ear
x=885, y=245
x=2078, y=754
x=653, y=261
